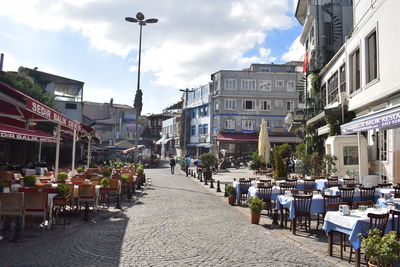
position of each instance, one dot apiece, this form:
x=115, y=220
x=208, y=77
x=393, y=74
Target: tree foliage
x=280, y=166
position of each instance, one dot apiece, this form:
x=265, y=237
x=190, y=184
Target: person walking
x=172, y=163
x=187, y=165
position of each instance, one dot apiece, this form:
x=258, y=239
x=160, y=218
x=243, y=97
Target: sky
x=90, y=41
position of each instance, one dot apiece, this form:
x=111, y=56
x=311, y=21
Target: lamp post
x=138, y=97
x=186, y=91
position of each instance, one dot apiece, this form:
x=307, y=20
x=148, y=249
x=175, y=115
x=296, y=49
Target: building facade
x=170, y=141
x=241, y=99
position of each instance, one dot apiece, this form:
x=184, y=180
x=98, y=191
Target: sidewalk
x=315, y=242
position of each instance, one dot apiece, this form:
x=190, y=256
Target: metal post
x=89, y=152
x=73, y=152
x=40, y=152
x=57, y=151
x=137, y=107
x=359, y=156
x=218, y=186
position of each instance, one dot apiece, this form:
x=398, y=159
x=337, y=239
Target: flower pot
x=373, y=265
x=231, y=200
x=61, y=200
x=255, y=218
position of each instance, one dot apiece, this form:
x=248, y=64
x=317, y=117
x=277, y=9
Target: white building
x=170, y=145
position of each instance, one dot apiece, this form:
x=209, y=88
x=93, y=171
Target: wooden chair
x=266, y=181
x=349, y=181
x=385, y=185
x=347, y=195
x=306, y=191
x=396, y=191
x=396, y=222
x=11, y=204
x=291, y=182
x=367, y=193
x=302, y=206
x=285, y=187
x=368, y=203
x=35, y=205
x=328, y=199
x=86, y=194
x=265, y=193
x=244, y=186
x=309, y=184
x=342, y=243
x=332, y=182
x=114, y=189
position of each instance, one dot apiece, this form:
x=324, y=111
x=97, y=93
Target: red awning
x=237, y=137
x=10, y=132
x=132, y=149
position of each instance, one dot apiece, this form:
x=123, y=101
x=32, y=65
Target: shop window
x=350, y=155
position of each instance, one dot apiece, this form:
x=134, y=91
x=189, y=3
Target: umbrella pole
x=73, y=152
x=57, y=151
x=89, y=152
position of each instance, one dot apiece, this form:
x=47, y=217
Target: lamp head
x=140, y=16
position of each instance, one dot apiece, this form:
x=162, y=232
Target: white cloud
x=192, y=39
x=10, y=63
x=99, y=94
x=296, y=51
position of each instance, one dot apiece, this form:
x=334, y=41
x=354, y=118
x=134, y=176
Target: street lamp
x=186, y=91
x=138, y=97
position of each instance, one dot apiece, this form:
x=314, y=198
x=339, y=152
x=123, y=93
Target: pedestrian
x=187, y=165
x=172, y=163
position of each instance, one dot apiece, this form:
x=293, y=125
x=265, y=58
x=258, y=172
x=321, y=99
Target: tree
x=280, y=166
x=285, y=150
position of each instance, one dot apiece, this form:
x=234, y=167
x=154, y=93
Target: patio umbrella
x=263, y=142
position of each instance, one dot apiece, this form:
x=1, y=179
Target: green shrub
x=230, y=190
x=256, y=205
x=107, y=172
x=62, y=190
x=105, y=182
x=139, y=170
x=280, y=166
x=208, y=160
x=285, y=150
x=124, y=178
x=256, y=162
x=29, y=180
x=93, y=165
x=80, y=169
x=62, y=176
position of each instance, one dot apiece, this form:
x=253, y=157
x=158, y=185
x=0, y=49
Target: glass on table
x=391, y=206
x=377, y=206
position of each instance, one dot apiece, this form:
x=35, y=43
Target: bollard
x=201, y=178
x=275, y=217
x=129, y=192
x=86, y=212
x=18, y=237
x=225, y=193
x=218, y=187
x=205, y=180
x=117, y=202
x=211, y=183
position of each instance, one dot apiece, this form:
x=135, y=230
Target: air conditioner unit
x=203, y=138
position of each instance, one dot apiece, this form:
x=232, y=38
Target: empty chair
x=86, y=194
x=302, y=214
x=11, y=204
x=332, y=182
x=385, y=185
x=309, y=184
x=328, y=199
x=266, y=181
x=367, y=193
x=265, y=193
x=35, y=205
x=244, y=189
x=368, y=203
x=396, y=191
x=347, y=195
x=396, y=222
x=349, y=181
x=291, y=182
x=285, y=187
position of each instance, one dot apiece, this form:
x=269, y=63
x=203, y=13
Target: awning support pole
x=40, y=152
x=359, y=156
x=73, y=152
x=89, y=152
x=57, y=151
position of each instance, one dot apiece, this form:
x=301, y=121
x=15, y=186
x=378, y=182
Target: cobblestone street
x=175, y=222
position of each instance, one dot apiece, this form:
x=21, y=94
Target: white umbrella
x=263, y=142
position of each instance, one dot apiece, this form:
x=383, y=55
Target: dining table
x=354, y=224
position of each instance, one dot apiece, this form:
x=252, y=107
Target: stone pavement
x=175, y=222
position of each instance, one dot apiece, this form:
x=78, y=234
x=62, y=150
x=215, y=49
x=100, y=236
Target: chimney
x=111, y=102
x=1, y=61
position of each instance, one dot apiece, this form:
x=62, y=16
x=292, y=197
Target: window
x=230, y=84
x=265, y=69
x=249, y=84
x=371, y=68
x=342, y=77
x=249, y=104
x=230, y=104
x=333, y=89
x=289, y=105
x=279, y=83
x=279, y=103
x=291, y=87
x=278, y=123
x=355, y=80
x=193, y=130
x=203, y=111
x=381, y=145
x=216, y=105
x=203, y=129
x=265, y=105
x=323, y=95
x=350, y=155
x=192, y=114
x=248, y=125
x=230, y=124
x=70, y=105
x=265, y=85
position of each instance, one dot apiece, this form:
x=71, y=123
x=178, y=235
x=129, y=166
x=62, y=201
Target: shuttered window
x=355, y=71
x=371, y=58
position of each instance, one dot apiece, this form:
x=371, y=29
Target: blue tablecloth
x=383, y=202
x=361, y=226
x=254, y=192
x=357, y=195
x=317, y=204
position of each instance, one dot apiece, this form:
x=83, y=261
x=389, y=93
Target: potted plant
x=62, y=176
x=381, y=251
x=107, y=172
x=208, y=160
x=256, y=205
x=105, y=182
x=29, y=180
x=63, y=195
x=80, y=169
x=2, y=185
x=280, y=167
x=231, y=191
x=124, y=178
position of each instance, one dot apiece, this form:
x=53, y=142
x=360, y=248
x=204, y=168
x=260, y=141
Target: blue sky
x=88, y=40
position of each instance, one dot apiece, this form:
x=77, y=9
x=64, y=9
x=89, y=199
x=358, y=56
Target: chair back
x=302, y=205
x=28, y=189
x=266, y=181
x=265, y=192
x=49, y=190
x=378, y=221
x=349, y=181
x=367, y=193
x=330, y=199
x=11, y=203
x=396, y=222
x=86, y=191
x=244, y=186
x=113, y=184
x=396, y=191
x=368, y=203
x=284, y=187
x=347, y=195
x=385, y=185
x=292, y=183
x=306, y=191
x=334, y=206
x=35, y=202
x=332, y=182
x=309, y=184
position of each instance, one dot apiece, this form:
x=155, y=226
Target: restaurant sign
x=27, y=137
x=388, y=120
x=52, y=115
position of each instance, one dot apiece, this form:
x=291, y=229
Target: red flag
x=305, y=63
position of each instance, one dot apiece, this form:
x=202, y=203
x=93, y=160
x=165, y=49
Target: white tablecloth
x=349, y=221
